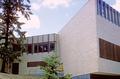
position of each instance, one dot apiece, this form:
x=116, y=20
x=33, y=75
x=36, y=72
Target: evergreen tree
x=11, y=36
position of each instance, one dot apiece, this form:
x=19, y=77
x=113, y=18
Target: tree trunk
x=3, y=67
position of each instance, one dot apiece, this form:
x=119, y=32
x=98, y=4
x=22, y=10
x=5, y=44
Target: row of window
x=109, y=50
x=108, y=12
x=40, y=47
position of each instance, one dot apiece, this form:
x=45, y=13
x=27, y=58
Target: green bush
x=50, y=70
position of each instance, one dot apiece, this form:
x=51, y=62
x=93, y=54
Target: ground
x=10, y=76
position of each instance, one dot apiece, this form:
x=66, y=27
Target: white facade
x=79, y=42
x=109, y=32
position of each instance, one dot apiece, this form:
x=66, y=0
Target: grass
x=10, y=76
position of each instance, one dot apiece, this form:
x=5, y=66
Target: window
x=45, y=47
x=117, y=18
x=41, y=47
x=104, y=10
x=52, y=46
x=114, y=14
x=36, y=63
x=109, y=50
x=111, y=14
x=100, y=7
x=107, y=12
x=35, y=48
x=29, y=48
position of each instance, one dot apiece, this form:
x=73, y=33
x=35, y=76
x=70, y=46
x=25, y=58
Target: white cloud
x=34, y=22
x=55, y=3
x=36, y=5
x=117, y=5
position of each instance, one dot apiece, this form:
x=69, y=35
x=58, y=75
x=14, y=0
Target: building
x=37, y=48
x=89, y=43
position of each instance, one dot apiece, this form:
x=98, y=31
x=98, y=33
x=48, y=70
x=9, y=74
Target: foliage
x=50, y=70
x=11, y=36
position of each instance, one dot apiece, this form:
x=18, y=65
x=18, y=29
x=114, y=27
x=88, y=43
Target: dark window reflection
x=41, y=47
x=29, y=48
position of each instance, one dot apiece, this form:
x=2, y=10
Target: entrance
x=94, y=76
x=15, y=68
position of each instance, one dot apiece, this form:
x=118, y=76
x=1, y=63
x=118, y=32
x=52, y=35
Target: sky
x=50, y=16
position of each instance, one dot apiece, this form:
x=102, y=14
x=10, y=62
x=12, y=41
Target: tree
x=11, y=36
x=52, y=68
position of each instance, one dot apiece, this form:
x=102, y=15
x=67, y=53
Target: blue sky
x=49, y=16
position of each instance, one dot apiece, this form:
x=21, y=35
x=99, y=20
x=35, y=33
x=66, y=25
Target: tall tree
x=11, y=36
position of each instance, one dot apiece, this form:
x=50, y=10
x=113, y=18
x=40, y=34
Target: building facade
x=89, y=43
x=37, y=47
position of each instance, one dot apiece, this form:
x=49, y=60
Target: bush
x=51, y=69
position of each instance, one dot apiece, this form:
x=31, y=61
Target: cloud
x=56, y=3
x=36, y=5
x=34, y=22
x=117, y=5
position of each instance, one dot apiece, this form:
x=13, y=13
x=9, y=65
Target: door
x=94, y=76
x=15, y=68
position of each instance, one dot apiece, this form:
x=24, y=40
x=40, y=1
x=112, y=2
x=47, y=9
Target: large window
x=41, y=47
x=107, y=12
x=109, y=50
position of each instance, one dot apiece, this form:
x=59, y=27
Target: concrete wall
x=23, y=69
x=78, y=42
x=110, y=32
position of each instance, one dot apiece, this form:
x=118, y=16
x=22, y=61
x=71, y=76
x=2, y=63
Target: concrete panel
x=78, y=42
x=109, y=32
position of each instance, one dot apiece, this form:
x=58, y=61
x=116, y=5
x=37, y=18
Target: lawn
x=10, y=76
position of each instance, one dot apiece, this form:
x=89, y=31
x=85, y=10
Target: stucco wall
x=110, y=32
x=78, y=42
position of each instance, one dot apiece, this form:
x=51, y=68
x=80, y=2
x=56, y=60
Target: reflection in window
x=35, y=48
x=41, y=47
